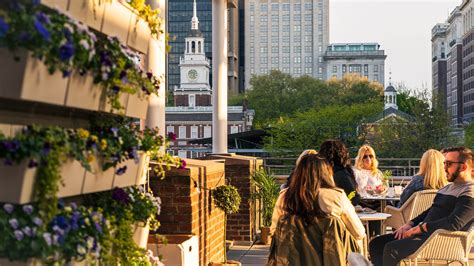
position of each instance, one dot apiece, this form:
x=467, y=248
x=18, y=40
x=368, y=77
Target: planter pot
x=105, y=106
x=72, y=178
x=229, y=262
x=139, y=35
x=29, y=79
x=117, y=18
x=134, y=173
x=137, y=107
x=18, y=181
x=7, y=262
x=140, y=234
x=90, y=12
x=61, y=5
x=99, y=180
x=143, y=171
x=83, y=93
x=6, y=130
x=265, y=235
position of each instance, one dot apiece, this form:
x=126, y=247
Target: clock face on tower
x=192, y=74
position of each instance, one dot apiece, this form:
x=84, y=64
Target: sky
x=401, y=27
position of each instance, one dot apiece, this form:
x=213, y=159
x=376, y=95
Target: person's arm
x=408, y=191
x=277, y=211
x=420, y=218
x=350, y=218
x=462, y=214
x=343, y=181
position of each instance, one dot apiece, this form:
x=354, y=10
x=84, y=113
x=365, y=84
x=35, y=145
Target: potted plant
x=226, y=198
x=266, y=191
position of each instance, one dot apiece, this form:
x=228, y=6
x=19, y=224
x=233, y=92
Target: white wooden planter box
x=29, y=79
x=18, y=181
x=99, y=180
x=117, y=18
x=134, y=174
x=106, y=107
x=137, y=107
x=61, y=5
x=139, y=35
x=83, y=93
x=88, y=12
x=140, y=234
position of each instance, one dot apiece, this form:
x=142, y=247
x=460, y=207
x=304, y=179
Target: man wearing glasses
x=452, y=209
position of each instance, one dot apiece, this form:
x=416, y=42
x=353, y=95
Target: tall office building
x=439, y=56
x=454, y=93
x=179, y=15
x=365, y=59
x=467, y=12
x=288, y=35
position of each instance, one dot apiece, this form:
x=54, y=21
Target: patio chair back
x=422, y=200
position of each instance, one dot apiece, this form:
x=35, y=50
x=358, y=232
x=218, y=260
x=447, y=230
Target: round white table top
x=378, y=216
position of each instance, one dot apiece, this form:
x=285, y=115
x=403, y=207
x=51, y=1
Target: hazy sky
x=402, y=27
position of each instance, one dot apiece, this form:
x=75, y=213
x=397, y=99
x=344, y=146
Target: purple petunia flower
x=98, y=227
x=13, y=223
x=35, y=2
x=115, y=89
x=33, y=163
x=3, y=27
x=66, y=51
x=60, y=221
x=24, y=36
x=183, y=164
x=28, y=209
x=43, y=18
x=8, y=208
x=114, y=131
x=121, y=170
x=19, y=235
x=37, y=221
x=42, y=30
x=66, y=73
x=172, y=136
x=46, y=148
x=11, y=146
x=27, y=230
x=47, y=238
x=120, y=195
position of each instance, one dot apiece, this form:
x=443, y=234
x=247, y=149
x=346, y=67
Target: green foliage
x=469, y=135
x=309, y=129
x=429, y=129
x=226, y=198
x=267, y=191
x=279, y=95
x=150, y=15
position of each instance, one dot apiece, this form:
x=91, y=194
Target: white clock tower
x=195, y=68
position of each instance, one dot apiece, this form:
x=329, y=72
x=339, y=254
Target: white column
x=219, y=76
x=156, y=65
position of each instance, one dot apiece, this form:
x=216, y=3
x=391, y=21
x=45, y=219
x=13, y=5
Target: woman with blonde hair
x=430, y=176
x=366, y=171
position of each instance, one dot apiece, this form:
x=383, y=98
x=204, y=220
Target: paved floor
x=249, y=255
x=257, y=255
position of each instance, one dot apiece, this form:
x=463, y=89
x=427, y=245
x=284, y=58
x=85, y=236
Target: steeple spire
x=194, y=20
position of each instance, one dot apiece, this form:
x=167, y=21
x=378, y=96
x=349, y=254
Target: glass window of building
x=207, y=131
x=194, y=132
x=263, y=18
x=297, y=59
x=252, y=7
x=308, y=17
x=264, y=7
x=285, y=59
x=308, y=49
x=308, y=6
x=308, y=70
x=275, y=28
x=263, y=49
x=297, y=17
x=286, y=70
x=251, y=49
x=286, y=49
x=297, y=49
x=285, y=39
x=320, y=70
x=308, y=38
x=334, y=69
x=264, y=39
x=308, y=59
x=275, y=49
x=252, y=71
x=182, y=132
x=234, y=129
x=169, y=129
x=308, y=28
x=320, y=59
x=297, y=28
x=275, y=6
x=320, y=48
x=264, y=71
x=343, y=68
x=366, y=68
x=376, y=68
x=182, y=154
x=275, y=60
x=263, y=60
x=297, y=70
x=376, y=77
x=297, y=7
x=275, y=18
x=285, y=7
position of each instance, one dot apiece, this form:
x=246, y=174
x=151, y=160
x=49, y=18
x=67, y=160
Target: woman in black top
x=338, y=156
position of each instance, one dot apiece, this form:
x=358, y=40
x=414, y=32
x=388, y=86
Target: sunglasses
x=368, y=156
x=449, y=163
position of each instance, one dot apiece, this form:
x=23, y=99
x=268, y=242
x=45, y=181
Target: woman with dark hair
x=312, y=193
x=338, y=157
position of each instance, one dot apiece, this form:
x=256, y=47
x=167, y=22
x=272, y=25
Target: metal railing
x=401, y=168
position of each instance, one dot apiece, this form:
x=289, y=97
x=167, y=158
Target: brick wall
x=241, y=226
x=186, y=209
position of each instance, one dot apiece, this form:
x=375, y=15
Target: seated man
x=452, y=209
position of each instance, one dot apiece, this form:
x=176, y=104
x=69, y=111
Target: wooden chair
x=445, y=245
x=417, y=203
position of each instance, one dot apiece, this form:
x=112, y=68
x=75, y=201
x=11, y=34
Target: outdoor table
x=383, y=199
x=366, y=218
